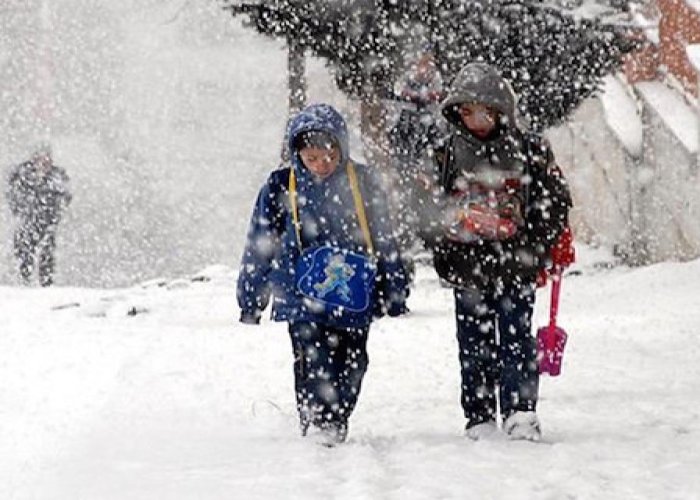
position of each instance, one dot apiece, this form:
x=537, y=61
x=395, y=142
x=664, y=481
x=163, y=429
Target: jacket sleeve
x=547, y=211
x=392, y=282
x=66, y=194
x=261, y=251
x=14, y=187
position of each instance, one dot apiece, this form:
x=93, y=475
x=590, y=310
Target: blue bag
x=336, y=280
x=337, y=283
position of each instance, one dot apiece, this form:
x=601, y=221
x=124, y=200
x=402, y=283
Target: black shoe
x=473, y=422
x=330, y=434
x=303, y=427
x=480, y=429
x=479, y=417
x=336, y=433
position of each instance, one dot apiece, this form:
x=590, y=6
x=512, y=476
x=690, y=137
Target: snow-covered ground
x=178, y=401
x=171, y=118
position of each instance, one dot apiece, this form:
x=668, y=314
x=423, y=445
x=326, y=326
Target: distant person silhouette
x=37, y=193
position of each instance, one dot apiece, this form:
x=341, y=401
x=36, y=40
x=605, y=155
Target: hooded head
x=318, y=125
x=479, y=83
x=41, y=158
x=43, y=149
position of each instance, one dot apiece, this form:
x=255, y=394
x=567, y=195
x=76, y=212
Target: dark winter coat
x=327, y=216
x=38, y=199
x=545, y=195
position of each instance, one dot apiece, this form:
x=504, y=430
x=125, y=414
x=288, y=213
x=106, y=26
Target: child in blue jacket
x=321, y=244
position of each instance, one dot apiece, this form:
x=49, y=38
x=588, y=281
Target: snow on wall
x=596, y=165
x=634, y=178
x=622, y=115
x=670, y=188
x=693, y=52
x=673, y=110
x=672, y=219
x=649, y=26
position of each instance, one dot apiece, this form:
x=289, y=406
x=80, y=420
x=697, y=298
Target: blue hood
x=322, y=118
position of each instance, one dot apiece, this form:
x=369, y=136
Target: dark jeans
x=329, y=364
x=511, y=363
x=31, y=240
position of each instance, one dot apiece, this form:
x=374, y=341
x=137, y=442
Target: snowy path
x=182, y=402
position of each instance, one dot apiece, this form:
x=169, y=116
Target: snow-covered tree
x=553, y=57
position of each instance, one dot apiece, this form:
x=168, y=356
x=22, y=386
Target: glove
x=250, y=318
x=488, y=223
x=563, y=253
x=397, y=309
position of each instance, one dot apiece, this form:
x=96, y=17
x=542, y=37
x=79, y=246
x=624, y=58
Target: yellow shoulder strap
x=356, y=194
x=360, y=207
x=293, y=203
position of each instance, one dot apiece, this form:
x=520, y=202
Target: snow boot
x=523, y=425
x=329, y=434
x=481, y=430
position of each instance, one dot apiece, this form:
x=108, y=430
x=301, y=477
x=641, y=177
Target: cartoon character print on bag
x=338, y=274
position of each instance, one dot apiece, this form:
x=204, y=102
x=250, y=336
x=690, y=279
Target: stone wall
x=646, y=207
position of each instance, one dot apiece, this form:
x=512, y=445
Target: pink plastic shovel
x=551, y=339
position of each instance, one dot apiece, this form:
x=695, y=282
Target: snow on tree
x=553, y=58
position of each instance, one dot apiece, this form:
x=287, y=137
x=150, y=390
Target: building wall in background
x=678, y=26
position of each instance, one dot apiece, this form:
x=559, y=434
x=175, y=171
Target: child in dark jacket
x=321, y=244
x=503, y=206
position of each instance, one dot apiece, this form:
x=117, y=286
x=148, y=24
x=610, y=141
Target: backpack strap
x=538, y=150
x=293, y=203
x=360, y=206
x=357, y=197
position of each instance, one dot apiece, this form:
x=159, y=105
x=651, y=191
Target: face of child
x=479, y=119
x=321, y=161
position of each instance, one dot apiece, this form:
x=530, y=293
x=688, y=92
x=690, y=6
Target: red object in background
x=551, y=339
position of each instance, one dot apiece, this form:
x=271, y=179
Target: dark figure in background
x=38, y=193
x=502, y=205
x=415, y=130
x=411, y=140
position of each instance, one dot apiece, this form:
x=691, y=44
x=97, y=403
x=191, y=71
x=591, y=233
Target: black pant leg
x=47, y=260
x=518, y=350
x=318, y=374
x=25, y=241
x=329, y=365
x=299, y=368
x=478, y=353
x=351, y=364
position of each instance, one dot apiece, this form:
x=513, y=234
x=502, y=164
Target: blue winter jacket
x=327, y=216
